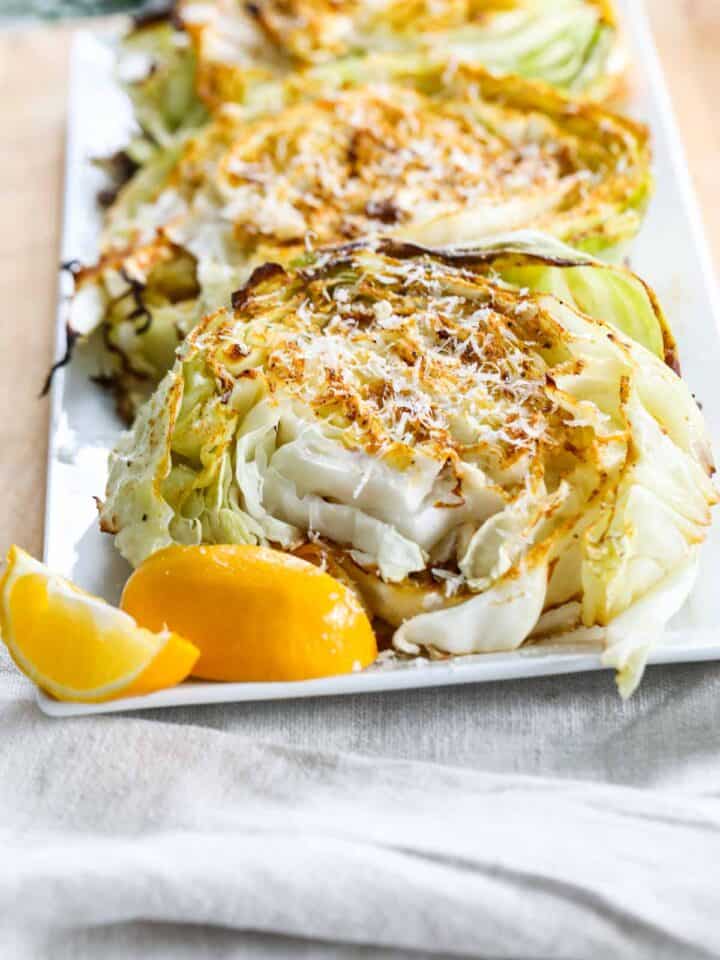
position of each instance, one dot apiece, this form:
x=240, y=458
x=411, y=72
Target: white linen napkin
x=123, y=824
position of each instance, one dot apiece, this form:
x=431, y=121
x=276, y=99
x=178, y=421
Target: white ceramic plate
x=671, y=253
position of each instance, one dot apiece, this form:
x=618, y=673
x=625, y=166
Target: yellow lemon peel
x=77, y=647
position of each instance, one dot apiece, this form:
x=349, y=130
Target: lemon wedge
x=255, y=614
x=78, y=647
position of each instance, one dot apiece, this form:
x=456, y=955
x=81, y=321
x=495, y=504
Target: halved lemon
x=78, y=647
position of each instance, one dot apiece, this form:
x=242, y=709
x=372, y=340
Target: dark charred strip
x=352, y=154
x=119, y=167
x=136, y=289
x=329, y=259
x=404, y=250
x=106, y=381
x=673, y=360
x=256, y=12
x=107, y=196
x=126, y=367
x=73, y=267
x=116, y=382
x=265, y=17
x=386, y=211
x=324, y=267
x=264, y=272
x=153, y=13
x=147, y=135
x=141, y=312
x=71, y=338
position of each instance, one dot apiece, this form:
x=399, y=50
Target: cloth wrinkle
x=127, y=822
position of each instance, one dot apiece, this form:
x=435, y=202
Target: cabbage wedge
x=182, y=63
x=400, y=147
x=233, y=46
x=487, y=465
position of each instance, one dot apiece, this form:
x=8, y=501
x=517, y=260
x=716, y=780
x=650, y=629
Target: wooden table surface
x=33, y=85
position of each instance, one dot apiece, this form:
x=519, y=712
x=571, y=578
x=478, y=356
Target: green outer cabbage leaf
x=539, y=263
x=163, y=95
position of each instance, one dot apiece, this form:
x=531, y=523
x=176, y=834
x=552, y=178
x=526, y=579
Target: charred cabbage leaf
x=486, y=464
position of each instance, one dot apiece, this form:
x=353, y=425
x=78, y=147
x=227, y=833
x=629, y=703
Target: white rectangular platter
x=671, y=253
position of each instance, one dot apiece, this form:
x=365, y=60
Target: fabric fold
x=115, y=820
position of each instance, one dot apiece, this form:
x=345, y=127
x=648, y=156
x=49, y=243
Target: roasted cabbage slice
x=485, y=464
x=422, y=153
x=571, y=44
x=200, y=55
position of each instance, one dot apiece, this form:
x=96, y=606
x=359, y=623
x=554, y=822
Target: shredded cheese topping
x=401, y=356
x=373, y=159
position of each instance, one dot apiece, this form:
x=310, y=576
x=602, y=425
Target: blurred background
x=55, y=9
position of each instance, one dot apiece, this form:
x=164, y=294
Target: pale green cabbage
x=473, y=455
x=157, y=68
